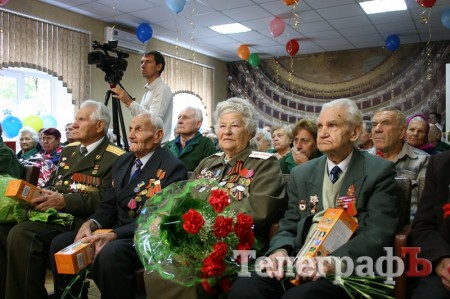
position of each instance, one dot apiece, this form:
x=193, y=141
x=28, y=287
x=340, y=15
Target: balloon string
x=294, y=16
x=193, y=31
x=176, y=48
x=428, y=58
x=277, y=74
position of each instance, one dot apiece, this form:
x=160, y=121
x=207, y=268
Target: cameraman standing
x=158, y=97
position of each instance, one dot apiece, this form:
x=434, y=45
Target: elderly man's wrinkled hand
x=443, y=270
x=275, y=264
x=49, y=199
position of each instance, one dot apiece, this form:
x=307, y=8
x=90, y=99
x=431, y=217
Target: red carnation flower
x=213, y=267
x=219, y=200
x=207, y=287
x=246, y=241
x=193, y=221
x=220, y=250
x=225, y=283
x=244, y=224
x=222, y=227
x=446, y=208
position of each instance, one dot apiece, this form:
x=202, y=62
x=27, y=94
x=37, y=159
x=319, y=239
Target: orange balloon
x=290, y=2
x=243, y=52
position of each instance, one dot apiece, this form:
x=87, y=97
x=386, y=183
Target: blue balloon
x=144, y=32
x=48, y=121
x=393, y=42
x=11, y=126
x=176, y=6
x=445, y=18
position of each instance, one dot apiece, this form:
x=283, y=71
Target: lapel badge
x=64, y=158
x=302, y=205
x=160, y=174
x=94, y=171
x=97, y=157
x=314, y=200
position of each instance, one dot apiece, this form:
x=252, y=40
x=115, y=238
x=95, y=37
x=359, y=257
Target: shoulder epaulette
x=76, y=143
x=115, y=150
x=260, y=155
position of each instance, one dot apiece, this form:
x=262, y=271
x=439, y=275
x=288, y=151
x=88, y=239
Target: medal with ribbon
x=348, y=202
x=153, y=187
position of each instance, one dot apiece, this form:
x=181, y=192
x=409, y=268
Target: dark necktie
x=83, y=152
x=334, y=174
x=137, y=168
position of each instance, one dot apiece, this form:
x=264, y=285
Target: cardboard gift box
x=76, y=256
x=22, y=191
x=334, y=229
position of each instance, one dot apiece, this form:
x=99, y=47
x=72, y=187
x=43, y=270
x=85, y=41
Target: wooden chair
x=405, y=188
x=402, y=240
x=31, y=174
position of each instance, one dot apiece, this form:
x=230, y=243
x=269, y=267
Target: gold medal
x=94, y=171
x=138, y=199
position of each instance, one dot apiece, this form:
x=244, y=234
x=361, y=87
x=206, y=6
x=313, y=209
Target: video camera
x=113, y=66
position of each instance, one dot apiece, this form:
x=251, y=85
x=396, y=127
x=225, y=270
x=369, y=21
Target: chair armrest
x=401, y=240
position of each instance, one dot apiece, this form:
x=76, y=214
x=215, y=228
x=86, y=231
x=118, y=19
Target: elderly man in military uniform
x=77, y=187
x=136, y=177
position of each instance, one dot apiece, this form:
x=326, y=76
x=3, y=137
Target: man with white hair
x=343, y=171
x=190, y=146
x=146, y=168
x=77, y=187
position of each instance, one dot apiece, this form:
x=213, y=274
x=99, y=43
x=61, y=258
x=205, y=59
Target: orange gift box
x=76, y=256
x=22, y=191
x=334, y=229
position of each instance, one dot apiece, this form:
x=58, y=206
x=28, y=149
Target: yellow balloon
x=33, y=121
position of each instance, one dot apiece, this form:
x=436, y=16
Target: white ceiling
x=325, y=25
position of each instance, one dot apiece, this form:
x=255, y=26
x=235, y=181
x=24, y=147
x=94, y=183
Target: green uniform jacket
x=376, y=204
x=287, y=162
x=199, y=148
x=83, y=182
x=9, y=164
x=264, y=196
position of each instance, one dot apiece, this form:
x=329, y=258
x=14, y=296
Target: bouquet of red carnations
x=188, y=233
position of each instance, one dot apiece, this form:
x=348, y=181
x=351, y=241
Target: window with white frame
x=26, y=92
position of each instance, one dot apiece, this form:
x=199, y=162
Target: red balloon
x=292, y=47
x=426, y=3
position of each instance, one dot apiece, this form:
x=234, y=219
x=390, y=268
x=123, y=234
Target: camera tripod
x=116, y=117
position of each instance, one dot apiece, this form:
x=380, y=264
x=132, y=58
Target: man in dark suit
x=431, y=230
x=84, y=172
x=315, y=186
x=116, y=259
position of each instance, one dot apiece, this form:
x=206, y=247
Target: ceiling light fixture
x=230, y=28
x=381, y=6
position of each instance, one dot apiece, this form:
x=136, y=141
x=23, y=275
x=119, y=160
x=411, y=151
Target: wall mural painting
x=411, y=78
